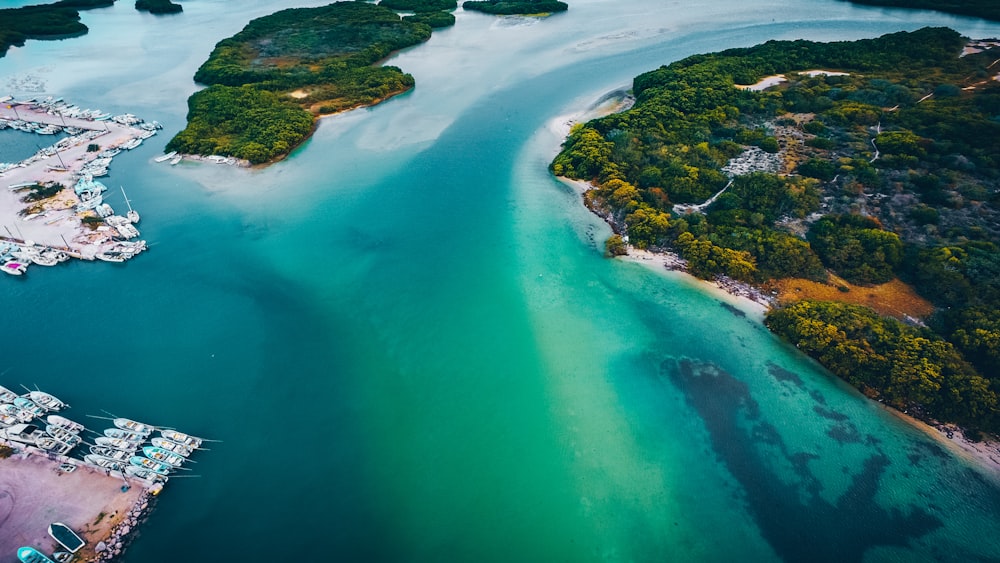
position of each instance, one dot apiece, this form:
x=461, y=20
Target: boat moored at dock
x=103, y=462
x=45, y=400
x=6, y=395
x=28, y=405
x=171, y=446
x=65, y=436
x=63, y=422
x=182, y=438
x=155, y=466
x=133, y=426
x=163, y=456
x=117, y=443
x=124, y=435
x=31, y=555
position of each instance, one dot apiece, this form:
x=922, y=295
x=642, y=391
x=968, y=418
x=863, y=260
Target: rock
x=101, y=546
x=125, y=530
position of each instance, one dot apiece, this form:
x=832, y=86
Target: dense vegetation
x=268, y=81
x=420, y=5
x=888, y=167
x=905, y=366
x=988, y=9
x=509, y=7
x=436, y=20
x=159, y=6
x=44, y=21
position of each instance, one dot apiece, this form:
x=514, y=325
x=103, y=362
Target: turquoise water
x=409, y=343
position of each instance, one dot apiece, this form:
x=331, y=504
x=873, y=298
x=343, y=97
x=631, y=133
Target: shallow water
x=409, y=343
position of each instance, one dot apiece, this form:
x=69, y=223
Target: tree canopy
x=44, y=21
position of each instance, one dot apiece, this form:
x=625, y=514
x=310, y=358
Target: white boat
x=132, y=214
x=175, y=160
x=8, y=420
x=111, y=453
x=51, y=445
x=18, y=413
x=14, y=268
x=165, y=157
x=63, y=435
x=171, y=446
x=63, y=422
x=124, y=435
x=6, y=395
x=66, y=537
x=46, y=400
x=132, y=143
x=133, y=426
x=117, y=443
x=43, y=259
x=182, y=438
x=104, y=462
x=111, y=256
x=143, y=473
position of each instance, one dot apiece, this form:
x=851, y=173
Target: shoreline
x=755, y=302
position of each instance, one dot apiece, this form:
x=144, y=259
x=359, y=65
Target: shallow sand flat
x=33, y=494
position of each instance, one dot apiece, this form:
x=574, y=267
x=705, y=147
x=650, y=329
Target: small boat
x=176, y=159
x=111, y=256
x=6, y=395
x=66, y=537
x=46, y=401
x=51, y=445
x=117, y=443
x=14, y=268
x=165, y=157
x=110, y=453
x=65, y=436
x=124, y=435
x=104, y=462
x=20, y=414
x=143, y=473
x=159, y=454
x=8, y=420
x=181, y=438
x=133, y=426
x=43, y=259
x=155, y=466
x=27, y=404
x=170, y=446
x=133, y=215
x=62, y=422
x=32, y=555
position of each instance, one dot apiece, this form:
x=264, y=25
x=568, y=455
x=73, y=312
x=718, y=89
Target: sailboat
x=132, y=214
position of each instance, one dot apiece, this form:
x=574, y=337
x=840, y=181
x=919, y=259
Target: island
x=58, y=20
x=158, y=6
x=512, y=7
x=268, y=83
x=987, y=9
x=854, y=184
x=435, y=13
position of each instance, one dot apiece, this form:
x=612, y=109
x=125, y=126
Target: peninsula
x=853, y=166
x=268, y=83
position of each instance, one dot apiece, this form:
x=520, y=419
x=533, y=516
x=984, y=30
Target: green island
x=988, y=9
x=267, y=83
x=512, y=7
x=836, y=171
x=58, y=20
x=435, y=13
x=158, y=6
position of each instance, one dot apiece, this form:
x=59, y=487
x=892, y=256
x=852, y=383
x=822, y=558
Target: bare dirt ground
x=34, y=494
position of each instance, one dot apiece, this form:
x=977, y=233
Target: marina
x=91, y=492
x=53, y=208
